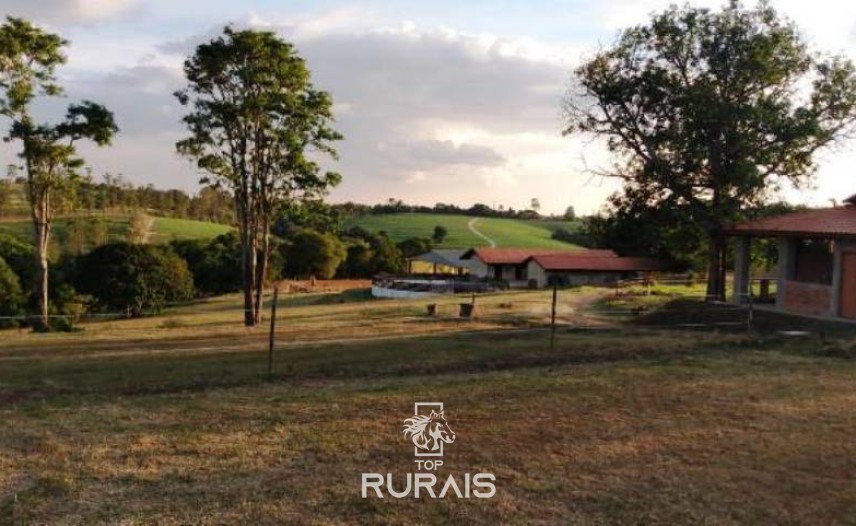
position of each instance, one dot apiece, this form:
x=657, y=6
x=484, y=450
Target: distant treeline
x=115, y=193
x=395, y=206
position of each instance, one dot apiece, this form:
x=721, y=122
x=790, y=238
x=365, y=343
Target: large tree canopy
x=708, y=112
x=255, y=117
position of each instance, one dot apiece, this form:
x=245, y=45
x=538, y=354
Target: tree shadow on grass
x=466, y=352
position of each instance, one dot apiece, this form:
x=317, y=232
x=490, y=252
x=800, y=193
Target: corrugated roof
x=443, y=256
x=517, y=256
x=583, y=261
x=819, y=222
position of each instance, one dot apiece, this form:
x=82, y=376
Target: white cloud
x=438, y=114
x=430, y=113
x=418, y=156
x=62, y=12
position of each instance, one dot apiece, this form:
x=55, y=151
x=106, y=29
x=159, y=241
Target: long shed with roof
x=540, y=267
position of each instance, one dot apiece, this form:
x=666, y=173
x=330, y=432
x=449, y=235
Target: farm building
x=527, y=267
x=816, y=267
x=439, y=261
x=582, y=268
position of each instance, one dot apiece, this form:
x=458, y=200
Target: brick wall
x=808, y=298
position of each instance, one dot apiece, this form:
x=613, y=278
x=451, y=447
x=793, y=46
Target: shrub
x=134, y=279
x=440, y=233
x=216, y=264
x=20, y=257
x=358, y=261
x=414, y=246
x=369, y=254
x=11, y=295
x=311, y=253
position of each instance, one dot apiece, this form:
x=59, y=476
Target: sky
x=442, y=101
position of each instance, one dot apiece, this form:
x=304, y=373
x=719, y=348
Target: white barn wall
x=572, y=277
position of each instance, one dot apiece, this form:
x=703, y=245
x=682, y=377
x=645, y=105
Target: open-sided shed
x=816, y=267
x=439, y=261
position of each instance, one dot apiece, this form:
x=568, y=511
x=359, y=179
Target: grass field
x=117, y=228
x=164, y=228
x=172, y=420
x=169, y=228
x=505, y=232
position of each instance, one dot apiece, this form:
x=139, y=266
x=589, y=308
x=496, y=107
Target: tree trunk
x=723, y=253
x=42, y=241
x=40, y=206
x=261, y=270
x=716, y=267
x=248, y=258
x=38, y=195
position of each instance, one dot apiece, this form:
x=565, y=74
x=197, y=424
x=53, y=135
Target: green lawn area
x=117, y=228
x=402, y=226
x=164, y=229
x=16, y=199
x=169, y=228
x=172, y=420
x=527, y=234
x=505, y=232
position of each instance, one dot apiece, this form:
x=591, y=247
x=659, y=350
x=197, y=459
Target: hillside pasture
x=118, y=227
x=164, y=229
x=402, y=226
x=504, y=232
x=520, y=233
x=170, y=228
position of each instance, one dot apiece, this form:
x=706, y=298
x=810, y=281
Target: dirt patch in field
x=321, y=285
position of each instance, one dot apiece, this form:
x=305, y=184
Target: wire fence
x=668, y=302
x=629, y=308
x=638, y=303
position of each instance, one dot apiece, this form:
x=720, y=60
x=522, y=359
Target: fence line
x=555, y=308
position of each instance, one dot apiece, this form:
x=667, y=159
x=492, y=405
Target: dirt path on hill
x=150, y=226
x=472, y=226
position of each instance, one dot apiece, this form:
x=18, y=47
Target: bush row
x=136, y=279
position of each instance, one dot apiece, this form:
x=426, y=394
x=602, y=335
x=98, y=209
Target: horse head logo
x=429, y=432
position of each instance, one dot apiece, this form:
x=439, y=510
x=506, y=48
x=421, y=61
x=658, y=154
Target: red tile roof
x=583, y=261
x=820, y=222
x=517, y=256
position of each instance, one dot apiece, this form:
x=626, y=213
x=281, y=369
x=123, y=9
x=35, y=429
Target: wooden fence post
x=272, y=332
x=553, y=319
x=750, y=315
x=553, y=310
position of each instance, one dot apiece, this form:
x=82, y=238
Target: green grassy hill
x=164, y=229
x=169, y=228
x=117, y=228
x=504, y=232
x=14, y=220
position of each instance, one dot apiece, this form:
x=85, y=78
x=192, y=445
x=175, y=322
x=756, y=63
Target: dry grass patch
x=638, y=426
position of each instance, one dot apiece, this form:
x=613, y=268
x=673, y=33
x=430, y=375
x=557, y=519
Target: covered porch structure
x=816, y=263
x=439, y=262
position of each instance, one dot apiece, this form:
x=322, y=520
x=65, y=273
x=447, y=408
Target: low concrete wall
x=380, y=292
x=812, y=299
